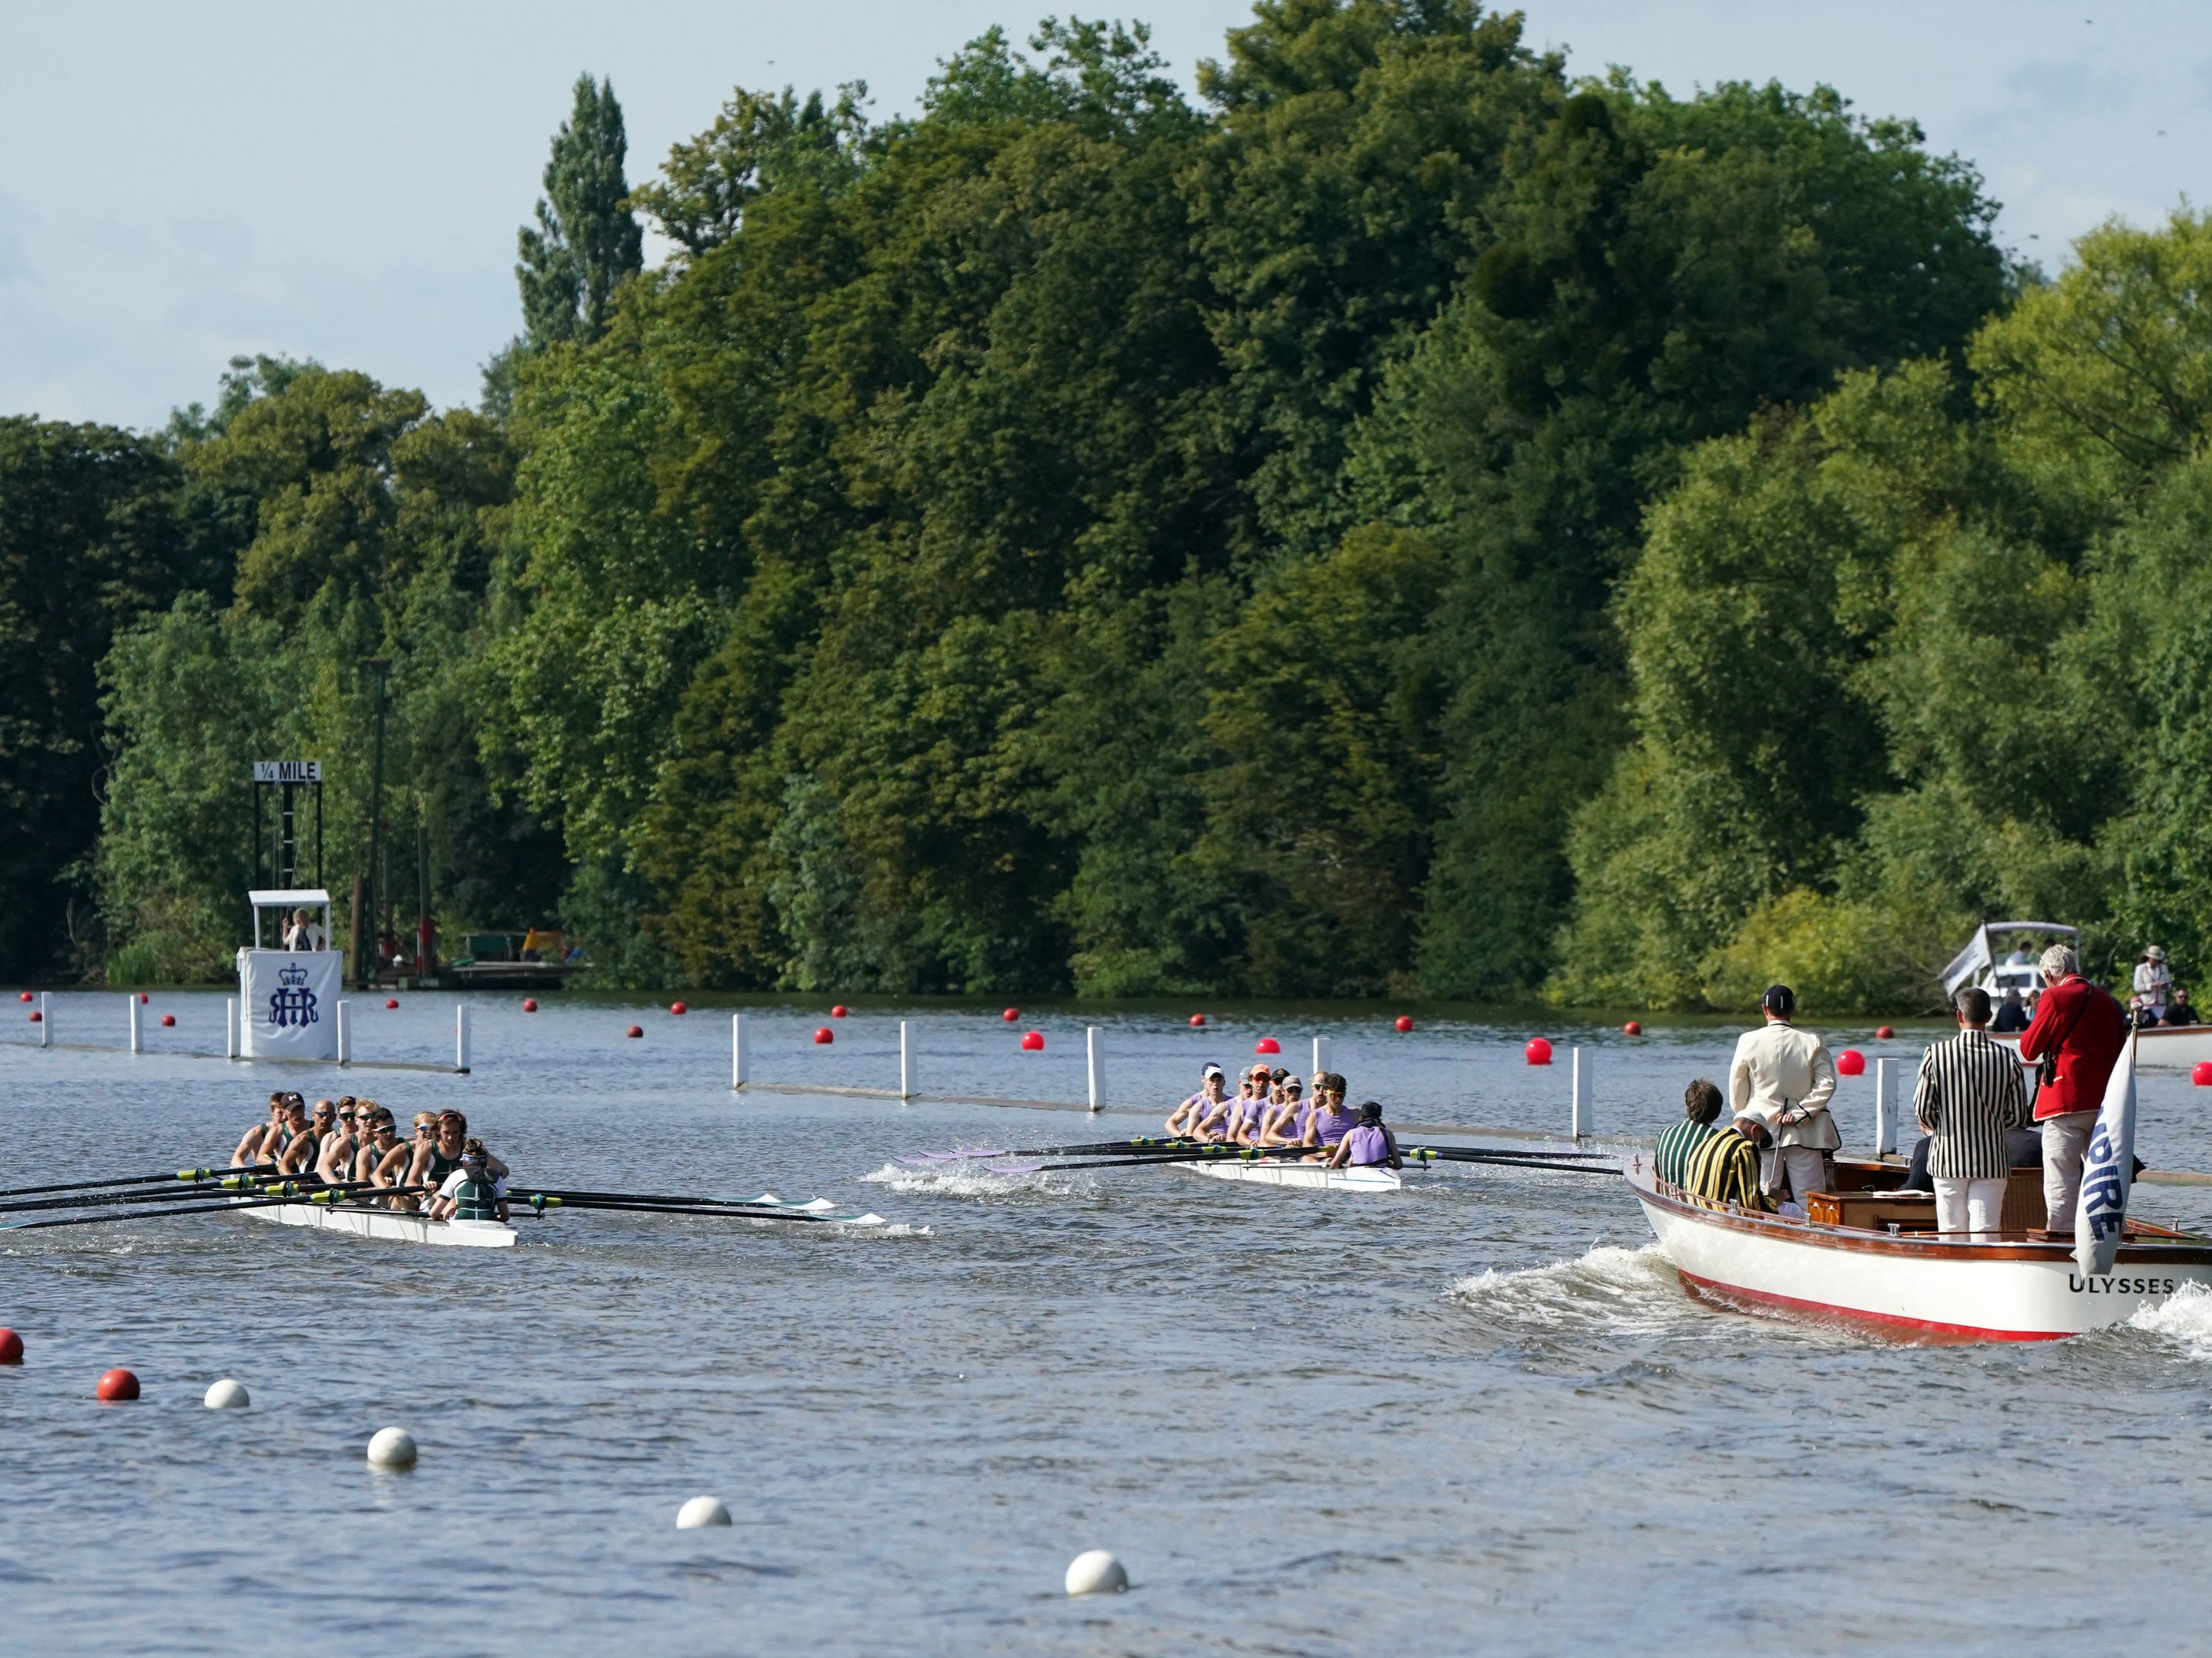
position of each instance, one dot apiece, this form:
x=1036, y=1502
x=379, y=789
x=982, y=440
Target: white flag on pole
x=2108, y=1170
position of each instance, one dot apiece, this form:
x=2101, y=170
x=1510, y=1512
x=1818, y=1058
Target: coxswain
x=1211, y=1100
x=1370, y=1146
x=250, y=1143
x=304, y=1151
x=471, y=1192
x=442, y=1155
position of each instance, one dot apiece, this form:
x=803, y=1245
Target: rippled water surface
x=1476, y=1415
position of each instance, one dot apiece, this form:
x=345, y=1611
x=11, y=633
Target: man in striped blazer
x=1969, y=1096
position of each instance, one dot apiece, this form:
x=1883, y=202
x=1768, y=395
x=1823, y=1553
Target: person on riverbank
x=1969, y=1098
x=1701, y=1109
x=2075, y=1037
x=1784, y=1078
x=1725, y=1169
x=2153, y=982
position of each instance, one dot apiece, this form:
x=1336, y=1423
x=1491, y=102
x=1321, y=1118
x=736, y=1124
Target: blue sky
x=343, y=181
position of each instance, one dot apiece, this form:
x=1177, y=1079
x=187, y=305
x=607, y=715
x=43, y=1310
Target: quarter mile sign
x=288, y=771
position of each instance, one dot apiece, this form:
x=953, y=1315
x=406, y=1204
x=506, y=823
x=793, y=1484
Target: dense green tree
x=93, y=533
x=586, y=241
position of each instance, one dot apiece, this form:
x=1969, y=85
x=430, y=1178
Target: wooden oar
x=325, y=1197
x=185, y=1175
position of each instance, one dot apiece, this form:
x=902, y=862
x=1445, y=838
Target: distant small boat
x=1312, y=1176
x=2159, y=1047
x=389, y=1224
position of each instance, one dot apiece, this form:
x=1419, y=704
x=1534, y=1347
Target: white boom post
x=45, y=1022
x=1584, y=1123
x=133, y=999
x=906, y=1063
x=345, y=1035
x=1321, y=1044
x=461, y=1036
x=230, y=1027
x=737, y=1051
x=1885, y=1108
x=1091, y=1054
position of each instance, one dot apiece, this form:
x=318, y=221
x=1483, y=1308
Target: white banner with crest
x=288, y=1001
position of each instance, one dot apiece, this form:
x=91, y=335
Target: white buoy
x=227, y=1395
x=392, y=1447
x=1094, y=1571
x=702, y=1511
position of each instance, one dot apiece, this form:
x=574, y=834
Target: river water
x=1475, y=1415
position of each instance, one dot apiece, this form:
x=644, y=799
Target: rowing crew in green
x=349, y=1141
x=1270, y=1112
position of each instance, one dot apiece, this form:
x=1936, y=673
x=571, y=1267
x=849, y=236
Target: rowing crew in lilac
x=1271, y=1112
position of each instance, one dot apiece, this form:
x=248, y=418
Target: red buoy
x=36, y=1015
x=634, y=1031
x=118, y=1386
x=1850, y=1063
x=25, y=997
x=1033, y=1041
x=390, y=1001
x=1632, y=1029
x=825, y=1035
x=1197, y=1020
x=1883, y=1033
x=1267, y=1045
x=1539, y=1051
x=11, y=1347
x=143, y=999
x=168, y=1018
x=678, y=1009
x=1011, y=1014
x=1402, y=1023
x=530, y=1003
x=838, y=1012
x=2202, y=1076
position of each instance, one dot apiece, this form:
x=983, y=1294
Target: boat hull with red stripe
x=1911, y=1288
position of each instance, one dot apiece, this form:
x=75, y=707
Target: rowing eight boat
x=1313, y=1176
x=391, y=1225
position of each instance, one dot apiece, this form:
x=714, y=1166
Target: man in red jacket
x=2083, y=1029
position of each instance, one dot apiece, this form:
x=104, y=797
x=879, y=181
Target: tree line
x=1407, y=521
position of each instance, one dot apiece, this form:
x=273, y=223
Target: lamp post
x=363, y=940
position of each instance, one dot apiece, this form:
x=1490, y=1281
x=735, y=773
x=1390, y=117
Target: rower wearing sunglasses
x=302, y=1153
x=441, y=1155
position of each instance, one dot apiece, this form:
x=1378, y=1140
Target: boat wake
x=968, y=1180
x=2185, y=1317
x=1624, y=1291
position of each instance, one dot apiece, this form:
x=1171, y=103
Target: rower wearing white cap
x=1211, y=1100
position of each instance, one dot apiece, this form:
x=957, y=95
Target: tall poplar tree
x=586, y=240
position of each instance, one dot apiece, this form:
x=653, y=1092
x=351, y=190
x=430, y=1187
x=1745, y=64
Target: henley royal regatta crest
x=292, y=1002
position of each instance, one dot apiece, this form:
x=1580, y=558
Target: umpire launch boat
x=1872, y=1257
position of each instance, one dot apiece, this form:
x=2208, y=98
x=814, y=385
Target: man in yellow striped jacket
x=1725, y=1169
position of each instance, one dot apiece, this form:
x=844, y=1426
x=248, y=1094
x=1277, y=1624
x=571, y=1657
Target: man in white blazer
x=1783, y=1076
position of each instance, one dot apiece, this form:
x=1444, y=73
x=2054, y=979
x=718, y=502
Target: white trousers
x=1807, y=1167
x=1975, y=1205
x=2065, y=1142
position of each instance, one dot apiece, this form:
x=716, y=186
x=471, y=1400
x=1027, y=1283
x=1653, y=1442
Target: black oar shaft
x=194, y=1209
x=184, y=1175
